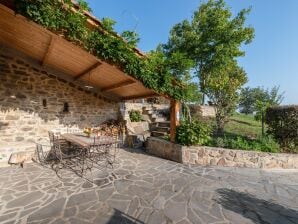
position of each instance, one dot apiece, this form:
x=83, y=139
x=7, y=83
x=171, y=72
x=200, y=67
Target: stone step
x=163, y=129
x=155, y=115
x=158, y=133
x=146, y=113
x=161, y=124
x=159, y=119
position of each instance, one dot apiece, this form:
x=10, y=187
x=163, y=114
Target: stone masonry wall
x=202, y=111
x=211, y=156
x=32, y=103
x=164, y=149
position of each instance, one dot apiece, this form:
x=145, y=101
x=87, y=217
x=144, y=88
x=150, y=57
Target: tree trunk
x=263, y=131
x=220, y=123
x=203, y=98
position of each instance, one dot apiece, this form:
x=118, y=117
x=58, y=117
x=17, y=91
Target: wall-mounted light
x=65, y=107
x=44, y=103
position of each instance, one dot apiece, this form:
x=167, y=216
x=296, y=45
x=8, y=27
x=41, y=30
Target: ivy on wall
x=59, y=17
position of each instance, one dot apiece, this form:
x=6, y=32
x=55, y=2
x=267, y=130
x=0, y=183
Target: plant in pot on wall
x=87, y=132
x=135, y=115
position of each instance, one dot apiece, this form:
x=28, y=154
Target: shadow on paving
x=258, y=210
x=119, y=217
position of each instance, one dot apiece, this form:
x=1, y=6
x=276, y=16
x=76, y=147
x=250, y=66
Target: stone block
x=12, y=117
x=221, y=162
x=21, y=157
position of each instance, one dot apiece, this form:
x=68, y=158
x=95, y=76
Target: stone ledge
x=212, y=156
x=21, y=157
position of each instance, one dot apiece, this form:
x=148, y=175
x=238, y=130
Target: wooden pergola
x=53, y=51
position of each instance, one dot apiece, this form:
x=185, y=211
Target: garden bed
x=213, y=156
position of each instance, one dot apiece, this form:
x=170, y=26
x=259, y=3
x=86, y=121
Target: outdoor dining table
x=93, y=151
x=86, y=142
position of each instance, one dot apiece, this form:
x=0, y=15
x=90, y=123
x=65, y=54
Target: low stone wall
x=211, y=156
x=164, y=149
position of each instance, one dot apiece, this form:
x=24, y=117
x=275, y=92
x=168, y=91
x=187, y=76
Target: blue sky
x=271, y=59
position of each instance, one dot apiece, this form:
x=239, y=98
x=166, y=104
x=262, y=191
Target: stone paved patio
x=145, y=189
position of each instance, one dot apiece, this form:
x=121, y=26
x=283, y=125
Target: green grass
x=243, y=132
x=244, y=125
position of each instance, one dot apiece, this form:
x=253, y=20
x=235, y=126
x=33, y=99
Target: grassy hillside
x=244, y=125
x=244, y=132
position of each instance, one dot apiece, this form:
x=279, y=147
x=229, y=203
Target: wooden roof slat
x=49, y=50
x=118, y=85
x=88, y=70
x=142, y=96
x=53, y=51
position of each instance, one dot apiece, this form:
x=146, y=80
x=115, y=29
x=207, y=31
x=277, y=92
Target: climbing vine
x=103, y=42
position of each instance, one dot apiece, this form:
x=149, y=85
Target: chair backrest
x=39, y=153
x=54, y=140
x=43, y=153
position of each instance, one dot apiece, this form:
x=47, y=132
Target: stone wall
x=34, y=101
x=164, y=149
x=202, y=111
x=211, y=156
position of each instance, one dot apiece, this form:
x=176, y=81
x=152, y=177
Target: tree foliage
x=212, y=38
x=222, y=89
x=283, y=125
x=267, y=98
x=250, y=98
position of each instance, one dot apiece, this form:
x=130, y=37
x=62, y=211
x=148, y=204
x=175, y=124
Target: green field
x=244, y=125
x=243, y=132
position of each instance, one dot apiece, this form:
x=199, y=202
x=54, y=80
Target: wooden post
x=174, y=120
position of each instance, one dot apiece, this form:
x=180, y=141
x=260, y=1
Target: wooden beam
x=143, y=96
x=86, y=71
x=174, y=119
x=118, y=85
x=49, y=50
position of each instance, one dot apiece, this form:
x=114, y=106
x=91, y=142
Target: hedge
x=282, y=123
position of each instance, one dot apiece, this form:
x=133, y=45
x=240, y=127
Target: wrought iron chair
x=43, y=154
x=105, y=153
x=70, y=157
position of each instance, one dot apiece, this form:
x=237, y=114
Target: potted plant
x=87, y=131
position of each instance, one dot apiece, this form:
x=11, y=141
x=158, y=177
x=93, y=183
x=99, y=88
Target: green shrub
x=135, y=115
x=282, y=123
x=192, y=133
x=263, y=144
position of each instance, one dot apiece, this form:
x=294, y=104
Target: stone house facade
x=34, y=100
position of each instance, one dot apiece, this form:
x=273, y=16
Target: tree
x=249, y=97
x=210, y=38
x=222, y=89
x=247, y=100
x=266, y=98
x=177, y=66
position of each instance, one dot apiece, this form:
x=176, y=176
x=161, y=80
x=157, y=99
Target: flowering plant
x=87, y=131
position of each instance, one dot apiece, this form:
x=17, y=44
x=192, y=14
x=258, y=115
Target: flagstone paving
x=145, y=189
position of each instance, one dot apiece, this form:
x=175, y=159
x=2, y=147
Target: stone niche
x=34, y=101
x=212, y=156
